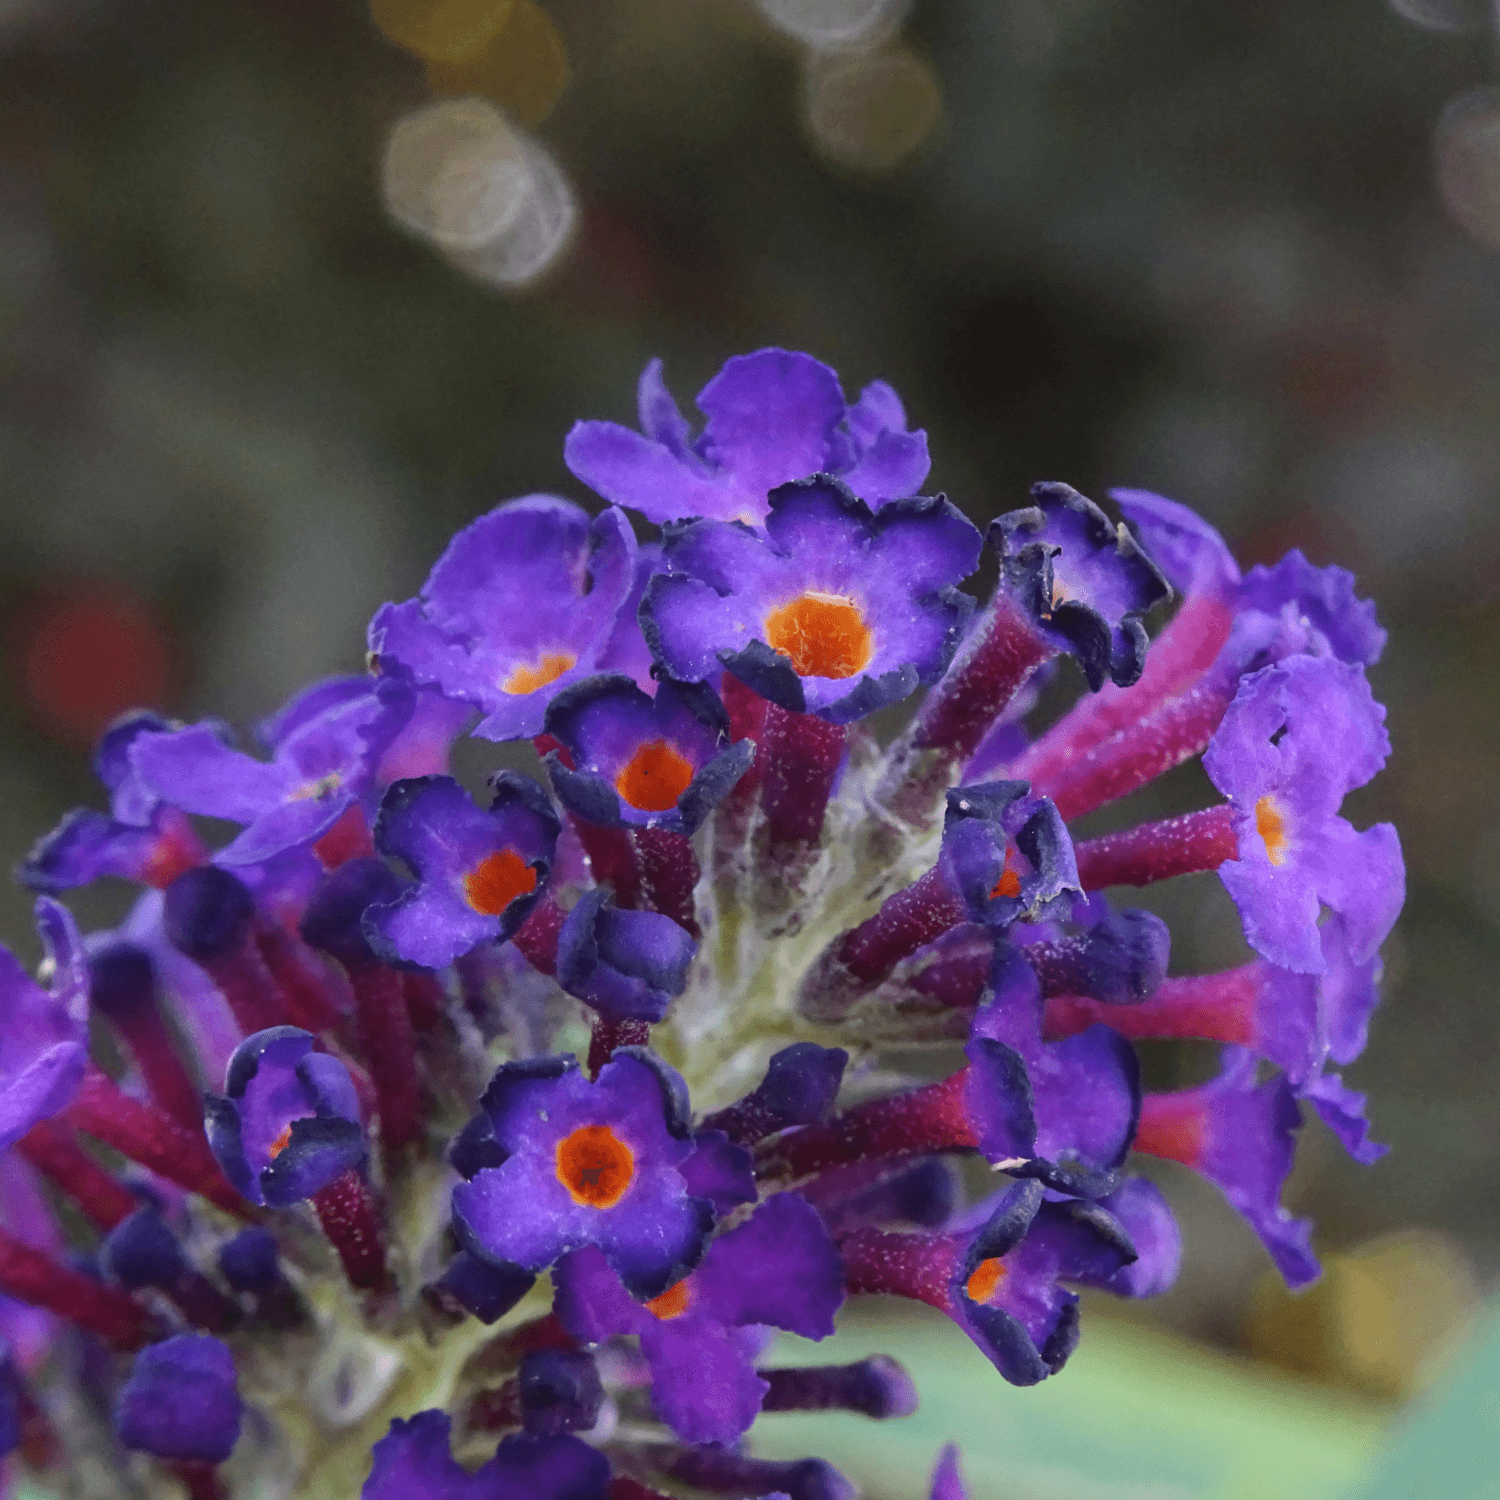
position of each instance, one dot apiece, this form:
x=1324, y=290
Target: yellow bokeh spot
x=448, y=31
x=523, y=68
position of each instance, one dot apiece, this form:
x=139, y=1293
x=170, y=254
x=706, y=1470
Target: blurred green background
x=1222, y=250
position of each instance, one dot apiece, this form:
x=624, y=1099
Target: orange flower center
x=655, y=777
x=1009, y=883
x=825, y=635
x=984, y=1278
x=671, y=1304
x=280, y=1144
x=1270, y=824
x=595, y=1166
x=497, y=880
x=527, y=679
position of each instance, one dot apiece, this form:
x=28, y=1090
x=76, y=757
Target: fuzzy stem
x=302, y=980
x=1184, y=650
x=1170, y=734
x=426, y=1001
x=33, y=1277
x=350, y=1217
x=537, y=936
x=916, y=1266
x=246, y=984
x=1149, y=852
x=150, y=1136
x=202, y=1479
x=52, y=1150
x=932, y=1118
x=1172, y=1126
x=669, y=874
x=389, y=1046
x=607, y=1035
x=1213, y=1007
x=799, y=756
x=145, y=1034
x=348, y=839
x=612, y=859
x=911, y=918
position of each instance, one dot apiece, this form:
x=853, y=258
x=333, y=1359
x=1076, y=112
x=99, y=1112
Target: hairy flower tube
x=469, y=1147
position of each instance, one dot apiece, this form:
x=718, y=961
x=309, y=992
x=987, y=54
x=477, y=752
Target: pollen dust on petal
x=595, y=1166
x=1270, y=824
x=824, y=635
x=984, y=1279
x=280, y=1144
x=671, y=1304
x=497, y=880
x=527, y=678
x=654, y=777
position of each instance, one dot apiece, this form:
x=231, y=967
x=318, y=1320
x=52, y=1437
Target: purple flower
x=478, y=872
x=773, y=416
x=521, y=605
x=1007, y=855
x=182, y=1400
x=626, y=965
x=1241, y=1136
x=250, y=1261
x=837, y=610
x=413, y=1461
x=560, y=1391
x=1145, y=1216
x=43, y=1034
x=288, y=1123
x=662, y=762
x=421, y=745
x=947, y=1478
x=141, y=838
x=587, y=1164
x=800, y=1086
x=486, y=1290
x=1084, y=1092
x=1083, y=580
x=1000, y=1281
x=779, y=1268
x=1297, y=737
x=321, y=768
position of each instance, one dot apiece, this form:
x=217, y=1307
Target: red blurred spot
x=87, y=653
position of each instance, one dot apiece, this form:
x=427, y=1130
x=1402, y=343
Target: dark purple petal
x=1146, y=1217
x=560, y=1392
x=627, y=965
x=778, y=1267
x=720, y=1171
x=1082, y=579
x=703, y=1380
x=800, y=1086
x=413, y=1462
x=181, y=1401
x=947, y=1480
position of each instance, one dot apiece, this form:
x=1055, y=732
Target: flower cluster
x=530, y=1120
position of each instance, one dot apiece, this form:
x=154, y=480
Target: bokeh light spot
x=90, y=654
x=831, y=24
x=448, y=31
x=1467, y=146
x=493, y=201
x=524, y=68
x=871, y=111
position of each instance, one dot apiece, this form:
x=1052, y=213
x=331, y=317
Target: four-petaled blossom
x=773, y=416
x=520, y=606
x=836, y=610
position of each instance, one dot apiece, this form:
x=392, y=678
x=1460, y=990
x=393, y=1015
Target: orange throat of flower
x=595, y=1166
x=497, y=880
x=1270, y=824
x=984, y=1280
x=672, y=1303
x=824, y=635
x=527, y=678
x=654, y=777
